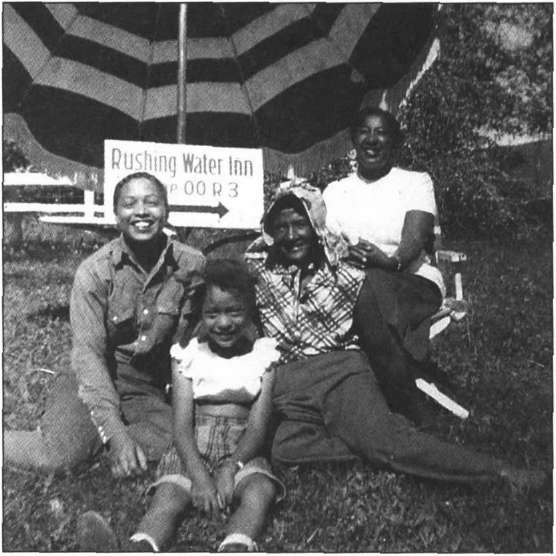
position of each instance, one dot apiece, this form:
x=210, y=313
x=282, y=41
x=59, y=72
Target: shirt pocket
x=169, y=300
x=168, y=309
x=121, y=325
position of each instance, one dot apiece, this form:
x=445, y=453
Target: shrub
x=467, y=91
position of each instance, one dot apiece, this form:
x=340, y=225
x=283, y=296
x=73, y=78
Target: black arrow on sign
x=220, y=209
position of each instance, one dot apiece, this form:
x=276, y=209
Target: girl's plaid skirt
x=217, y=439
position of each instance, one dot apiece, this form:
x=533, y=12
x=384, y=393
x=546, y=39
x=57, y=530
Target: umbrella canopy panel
x=286, y=77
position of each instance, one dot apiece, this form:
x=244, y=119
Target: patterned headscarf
x=311, y=200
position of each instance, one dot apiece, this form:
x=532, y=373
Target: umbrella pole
x=182, y=63
x=183, y=233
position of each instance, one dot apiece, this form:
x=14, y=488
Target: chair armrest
x=450, y=256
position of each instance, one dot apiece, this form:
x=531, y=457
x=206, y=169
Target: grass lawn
x=500, y=360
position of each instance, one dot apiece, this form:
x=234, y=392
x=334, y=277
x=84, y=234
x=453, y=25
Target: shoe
x=140, y=542
x=237, y=542
x=137, y=546
x=95, y=535
x=234, y=547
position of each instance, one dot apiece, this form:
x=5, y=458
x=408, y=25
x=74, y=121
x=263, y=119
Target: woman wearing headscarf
x=328, y=404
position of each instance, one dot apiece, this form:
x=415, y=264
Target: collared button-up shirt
x=124, y=321
x=309, y=319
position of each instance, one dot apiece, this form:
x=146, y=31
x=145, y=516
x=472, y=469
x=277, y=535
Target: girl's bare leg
x=164, y=514
x=256, y=493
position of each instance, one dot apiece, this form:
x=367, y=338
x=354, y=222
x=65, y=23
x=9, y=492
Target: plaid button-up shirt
x=309, y=319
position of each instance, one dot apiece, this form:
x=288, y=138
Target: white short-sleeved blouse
x=375, y=211
x=219, y=380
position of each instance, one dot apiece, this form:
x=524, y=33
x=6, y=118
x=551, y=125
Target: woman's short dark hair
x=390, y=119
x=140, y=175
x=231, y=275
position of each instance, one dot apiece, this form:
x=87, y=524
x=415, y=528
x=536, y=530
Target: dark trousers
x=66, y=435
x=392, y=320
x=330, y=408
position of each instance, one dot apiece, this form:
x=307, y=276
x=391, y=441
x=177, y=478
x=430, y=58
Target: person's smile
x=225, y=339
x=295, y=247
x=372, y=152
x=143, y=225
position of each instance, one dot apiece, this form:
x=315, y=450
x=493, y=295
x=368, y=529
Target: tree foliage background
x=493, y=76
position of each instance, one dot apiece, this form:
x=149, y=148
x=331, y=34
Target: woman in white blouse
x=386, y=214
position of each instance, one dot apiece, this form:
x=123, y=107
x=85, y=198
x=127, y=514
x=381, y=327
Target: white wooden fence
x=85, y=212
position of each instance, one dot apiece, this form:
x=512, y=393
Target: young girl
x=222, y=385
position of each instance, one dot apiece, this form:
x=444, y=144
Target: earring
x=352, y=158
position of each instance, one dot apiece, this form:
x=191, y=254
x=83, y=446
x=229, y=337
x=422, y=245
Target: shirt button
x=143, y=338
x=115, y=318
x=145, y=311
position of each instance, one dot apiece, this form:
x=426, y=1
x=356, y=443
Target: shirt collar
x=323, y=274
x=121, y=253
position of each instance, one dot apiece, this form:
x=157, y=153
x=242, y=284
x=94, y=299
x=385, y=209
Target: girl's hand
x=366, y=255
x=127, y=457
x=204, y=494
x=225, y=484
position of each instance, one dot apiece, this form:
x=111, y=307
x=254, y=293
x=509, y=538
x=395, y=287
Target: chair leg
x=445, y=401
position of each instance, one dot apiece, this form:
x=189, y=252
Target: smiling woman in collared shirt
x=129, y=302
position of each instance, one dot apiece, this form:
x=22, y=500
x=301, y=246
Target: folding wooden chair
x=454, y=309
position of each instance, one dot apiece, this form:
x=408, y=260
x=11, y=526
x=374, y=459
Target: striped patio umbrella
x=285, y=77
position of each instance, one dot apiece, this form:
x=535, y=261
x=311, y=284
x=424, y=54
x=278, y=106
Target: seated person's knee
x=258, y=489
x=170, y=498
x=29, y=449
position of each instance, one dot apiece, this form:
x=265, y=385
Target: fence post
x=13, y=229
x=89, y=203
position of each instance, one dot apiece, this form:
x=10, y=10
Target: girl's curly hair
x=231, y=275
